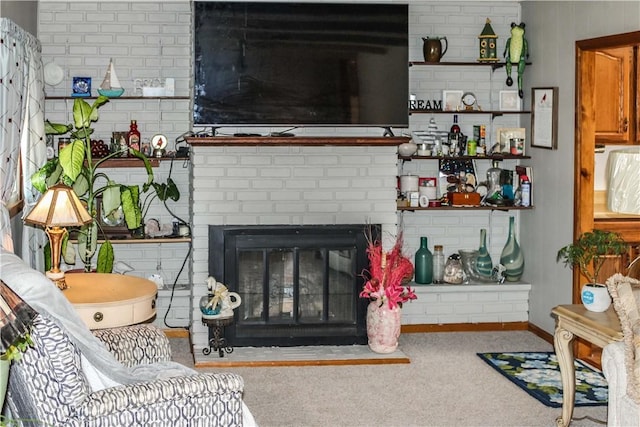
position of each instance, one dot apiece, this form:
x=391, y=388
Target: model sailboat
x=111, y=85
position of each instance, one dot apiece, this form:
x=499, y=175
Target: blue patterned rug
x=538, y=374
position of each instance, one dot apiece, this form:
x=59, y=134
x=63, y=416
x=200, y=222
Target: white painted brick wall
x=152, y=39
x=477, y=303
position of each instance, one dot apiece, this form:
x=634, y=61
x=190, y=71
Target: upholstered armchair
x=49, y=386
x=113, y=377
x=621, y=360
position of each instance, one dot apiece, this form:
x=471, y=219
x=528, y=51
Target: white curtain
x=22, y=138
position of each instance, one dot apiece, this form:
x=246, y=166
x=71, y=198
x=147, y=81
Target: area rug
x=538, y=374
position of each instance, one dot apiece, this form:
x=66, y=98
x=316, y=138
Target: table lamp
x=58, y=208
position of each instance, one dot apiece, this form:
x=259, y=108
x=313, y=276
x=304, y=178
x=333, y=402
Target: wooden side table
x=597, y=328
x=217, y=340
x=111, y=300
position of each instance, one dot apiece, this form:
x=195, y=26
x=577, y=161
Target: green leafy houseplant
x=134, y=201
x=588, y=253
x=75, y=166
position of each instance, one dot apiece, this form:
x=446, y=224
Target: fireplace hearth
x=299, y=284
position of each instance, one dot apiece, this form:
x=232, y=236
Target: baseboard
x=541, y=333
x=176, y=332
x=466, y=327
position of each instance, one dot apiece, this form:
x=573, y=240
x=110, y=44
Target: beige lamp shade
x=59, y=207
x=623, y=187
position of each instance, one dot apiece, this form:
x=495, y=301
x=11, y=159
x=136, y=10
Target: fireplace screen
x=299, y=285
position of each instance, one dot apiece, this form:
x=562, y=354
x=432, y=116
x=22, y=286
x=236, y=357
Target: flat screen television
x=300, y=64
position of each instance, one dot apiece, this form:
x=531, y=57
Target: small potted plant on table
x=589, y=253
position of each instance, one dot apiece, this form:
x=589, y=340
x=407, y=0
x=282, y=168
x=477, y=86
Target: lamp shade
x=623, y=174
x=16, y=317
x=59, y=207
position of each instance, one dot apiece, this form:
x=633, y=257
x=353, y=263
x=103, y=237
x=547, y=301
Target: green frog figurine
x=516, y=49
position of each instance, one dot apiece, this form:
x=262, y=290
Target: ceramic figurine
x=516, y=50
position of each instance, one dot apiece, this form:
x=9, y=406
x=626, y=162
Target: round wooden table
x=111, y=300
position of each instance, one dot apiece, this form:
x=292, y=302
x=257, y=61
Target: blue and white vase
x=511, y=257
x=484, y=264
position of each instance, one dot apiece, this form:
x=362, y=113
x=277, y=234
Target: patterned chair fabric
x=136, y=345
x=48, y=387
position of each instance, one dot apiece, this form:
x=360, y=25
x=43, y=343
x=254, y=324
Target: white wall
x=552, y=30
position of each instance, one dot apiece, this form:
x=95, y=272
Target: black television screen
x=300, y=64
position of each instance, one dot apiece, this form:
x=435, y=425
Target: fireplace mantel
x=272, y=141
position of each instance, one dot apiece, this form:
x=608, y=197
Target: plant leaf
x=130, y=207
x=82, y=113
x=39, y=178
x=87, y=242
x=105, y=258
x=68, y=252
x=81, y=185
x=71, y=159
x=111, y=198
x=56, y=128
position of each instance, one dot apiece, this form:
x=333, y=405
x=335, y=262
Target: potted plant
x=75, y=166
x=589, y=253
x=134, y=202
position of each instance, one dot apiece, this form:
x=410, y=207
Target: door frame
x=584, y=154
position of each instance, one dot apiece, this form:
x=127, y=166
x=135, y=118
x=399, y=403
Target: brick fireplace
x=285, y=185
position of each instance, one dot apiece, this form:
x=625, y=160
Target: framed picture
x=451, y=100
x=509, y=100
x=544, y=117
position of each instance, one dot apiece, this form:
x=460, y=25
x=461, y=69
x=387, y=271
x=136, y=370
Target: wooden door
x=614, y=96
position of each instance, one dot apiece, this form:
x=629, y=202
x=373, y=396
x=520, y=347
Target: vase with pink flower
x=387, y=289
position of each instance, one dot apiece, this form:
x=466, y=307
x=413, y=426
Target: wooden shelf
x=59, y=98
x=125, y=240
x=493, y=113
x=494, y=64
x=213, y=141
x=492, y=157
x=472, y=208
x=134, y=162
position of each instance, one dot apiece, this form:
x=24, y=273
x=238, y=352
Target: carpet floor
x=446, y=384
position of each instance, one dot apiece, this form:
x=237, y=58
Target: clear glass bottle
x=438, y=264
x=493, y=180
x=423, y=263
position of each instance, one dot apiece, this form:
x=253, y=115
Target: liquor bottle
x=438, y=264
x=454, y=127
x=133, y=137
x=423, y=263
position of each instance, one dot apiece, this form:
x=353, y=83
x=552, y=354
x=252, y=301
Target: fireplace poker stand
x=217, y=341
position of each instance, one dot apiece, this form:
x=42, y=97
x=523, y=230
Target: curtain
x=22, y=138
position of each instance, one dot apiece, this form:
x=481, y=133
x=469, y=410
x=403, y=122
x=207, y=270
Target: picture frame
x=509, y=100
x=451, y=100
x=544, y=117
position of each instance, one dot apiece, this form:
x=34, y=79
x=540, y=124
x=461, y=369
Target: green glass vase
x=512, y=258
x=484, y=264
x=423, y=263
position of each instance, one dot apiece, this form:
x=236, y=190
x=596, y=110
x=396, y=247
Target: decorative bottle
x=423, y=263
x=455, y=128
x=511, y=257
x=438, y=264
x=484, y=265
x=133, y=137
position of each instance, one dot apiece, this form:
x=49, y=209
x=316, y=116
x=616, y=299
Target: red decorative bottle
x=133, y=137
